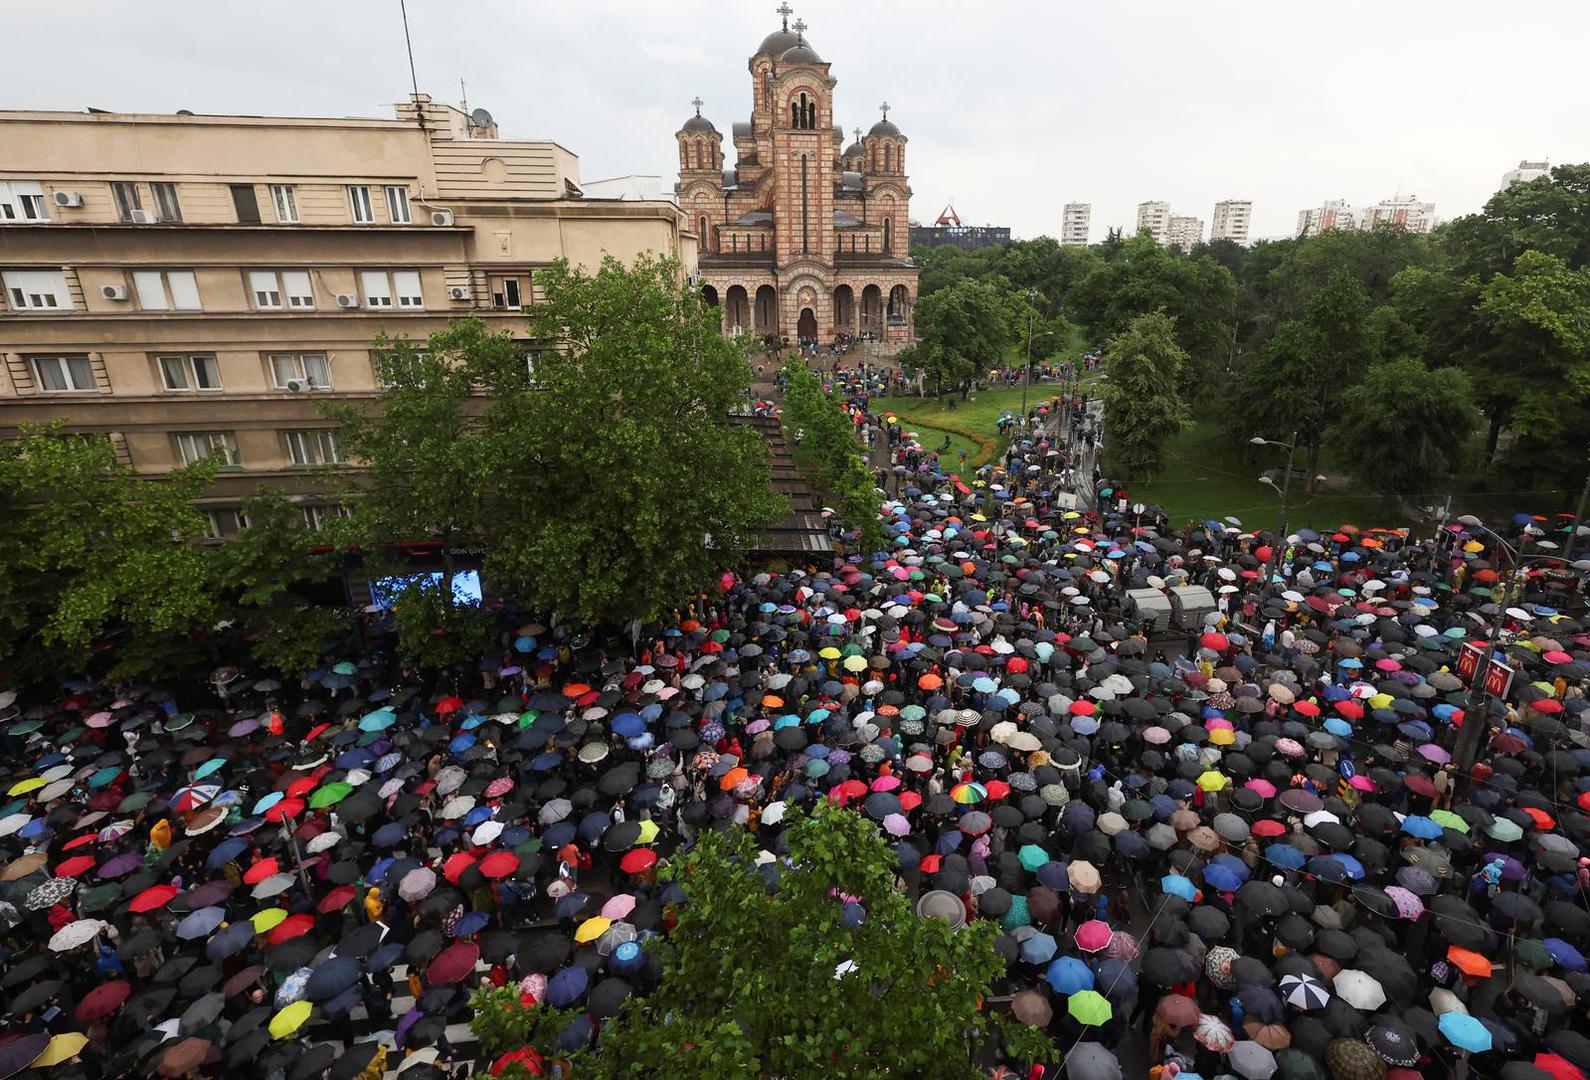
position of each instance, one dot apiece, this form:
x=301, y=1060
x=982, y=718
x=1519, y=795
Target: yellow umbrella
x=64, y=1047
x=855, y=663
x=22, y=787
x=267, y=920
x=1212, y=781
x=830, y=653
x=1473, y=546
x=591, y=929
x=1222, y=736
x=1380, y=701
x=648, y=832
x=289, y=1019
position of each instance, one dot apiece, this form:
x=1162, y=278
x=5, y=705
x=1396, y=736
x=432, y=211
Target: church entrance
x=807, y=326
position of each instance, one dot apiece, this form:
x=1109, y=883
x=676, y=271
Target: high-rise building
x=1184, y=232
x=1154, y=217
x=803, y=237
x=1074, y=224
x=195, y=284
x=1231, y=221
x=1331, y=214
x=1526, y=171
x=1404, y=212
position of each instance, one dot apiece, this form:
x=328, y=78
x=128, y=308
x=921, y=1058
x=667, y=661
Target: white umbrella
x=417, y=884
x=1304, y=992
x=774, y=813
x=1359, y=989
x=555, y=811
x=273, y=886
x=486, y=832
x=76, y=934
x=1251, y=1060
x=450, y=780
x=457, y=807
x=324, y=842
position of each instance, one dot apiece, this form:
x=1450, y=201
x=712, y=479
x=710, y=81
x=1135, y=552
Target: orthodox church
x=803, y=237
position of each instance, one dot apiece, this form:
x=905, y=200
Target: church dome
x=884, y=127
x=699, y=123
x=778, y=42
x=855, y=149
x=801, y=54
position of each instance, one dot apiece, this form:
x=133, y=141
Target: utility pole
x=1578, y=517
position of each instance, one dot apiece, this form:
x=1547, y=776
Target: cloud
x=678, y=54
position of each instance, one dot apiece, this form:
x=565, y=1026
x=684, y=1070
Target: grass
x=932, y=419
x=1207, y=476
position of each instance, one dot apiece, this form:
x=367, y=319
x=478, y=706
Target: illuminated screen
x=466, y=586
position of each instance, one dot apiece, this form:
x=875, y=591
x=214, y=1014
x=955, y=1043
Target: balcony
x=736, y=260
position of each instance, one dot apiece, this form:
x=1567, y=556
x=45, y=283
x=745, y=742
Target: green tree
x=1550, y=214
x=1142, y=407
x=624, y=484
x=274, y=575
x=93, y=549
x=895, y=995
x=828, y=450
x=965, y=327
x=1405, y=428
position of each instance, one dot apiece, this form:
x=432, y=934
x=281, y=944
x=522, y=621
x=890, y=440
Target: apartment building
x=1526, y=171
x=1075, y=223
x=195, y=284
x=1231, y=221
x=1184, y=232
x=1404, y=212
x=1330, y=214
x=1154, y=217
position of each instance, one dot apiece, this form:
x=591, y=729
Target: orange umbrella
x=575, y=690
x=930, y=682
x=773, y=701
x=1469, y=962
x=732, y=777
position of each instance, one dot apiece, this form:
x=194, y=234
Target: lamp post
x=1026, y=380
x=1284, y=491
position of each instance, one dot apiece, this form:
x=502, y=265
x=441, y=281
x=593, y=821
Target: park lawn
x=930, y=418
x=1206, y=476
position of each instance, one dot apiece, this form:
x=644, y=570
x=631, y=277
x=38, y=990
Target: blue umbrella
x=1220, y=879
x=1116, y=979
x=199, y=923
x=1069, y=975
x=333, y=978
x=627, y=958
x=1564, y=954
x=1038, y=949
x=1464, y=1032
x=234, y=939
x=568, y=906
x=567, y=986
x=1418, y=825
x=225, y=852
x=1354, y=868
x=472, y=923
x=628, y=725
x=1286, y=856
x=390, y=835
x=1176, y=885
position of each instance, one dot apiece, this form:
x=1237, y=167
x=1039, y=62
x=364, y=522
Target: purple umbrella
x=117, y=865
x=1512, y=869
x=242, y=728
x=410, y=1018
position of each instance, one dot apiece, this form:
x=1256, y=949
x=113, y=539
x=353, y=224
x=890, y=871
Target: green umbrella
x=345, y=668
x=104, y=776
x=1032, y=856
x=1294, y=1064
x=330, y=794
x=1090, y=1007
x=136, y=801
x=1532, y=954
x=1504, y=830
x=720, y=636
x=98, y=898
x=1448, y=820
x=27, y=727
x=72, y=734
x=527, y=718
x=179, y=721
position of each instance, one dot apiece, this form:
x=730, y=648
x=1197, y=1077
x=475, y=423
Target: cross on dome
x=885, y=108
x=697, y=102
x=858, y=134
x=786, y=11
x=800, y=30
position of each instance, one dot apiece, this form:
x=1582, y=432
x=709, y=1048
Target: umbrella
x=1090, y=1007
x=1359, y=989
x=63, y=1047
x=1464, y=1031
x=1213, y=1033
x=1252, y=1060
x=289, y=1019
x=75, y=934
x=1303, y=992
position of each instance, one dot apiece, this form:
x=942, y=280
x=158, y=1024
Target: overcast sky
x=1012, y=109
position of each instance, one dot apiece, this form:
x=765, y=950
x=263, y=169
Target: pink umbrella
x=1158, y=736
x=1432, y=752
x=886, y=783
x=1218, y=722
x=618, y=907
x=1289, y=747
x=100, y=720
x=1360, y=782
x=896, y=825
x=1388, y=664
x=1094, y=935
x=1265, y=789
x=1123, y=947
x=1409, y=906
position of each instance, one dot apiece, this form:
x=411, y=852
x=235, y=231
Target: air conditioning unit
x=113, y=292
x=459, y=292
x=347, y=300
x=68, y=198
x=296, y=386
x=441, y=218
x=142, y=217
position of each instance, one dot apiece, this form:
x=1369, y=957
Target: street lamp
x=1284, y=490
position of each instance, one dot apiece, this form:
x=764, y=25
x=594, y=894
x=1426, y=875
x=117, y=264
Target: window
x=128, y=204
x=509, y=290
x=166, y=206
x=246, y=203
x=400, y=287
x=316, y=447
x=37, y=290
x=64, y=374
x=166, y=290
x=22, y=200
x=308, y=370
x=397, y=204
x=359, y=201
x=184, y=373
x=194, y=446
x=286, y=204
x=269, y=287
x=225, y=521
x=317, y=517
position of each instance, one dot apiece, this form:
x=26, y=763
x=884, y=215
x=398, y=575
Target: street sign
x=1498, y=676
x=1347, y=769
x=1469, y=660
x=1498, y=679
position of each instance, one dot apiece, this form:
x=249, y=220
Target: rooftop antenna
x=414, y=80
x=463, y=94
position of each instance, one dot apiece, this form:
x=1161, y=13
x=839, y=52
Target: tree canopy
x=1404, y=428
x=965, y=327
x=1142, y=407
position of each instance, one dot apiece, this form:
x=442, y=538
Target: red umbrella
x=74, y=866
x=638, y=861
x=261, y=870
x=448, y=705
x=336, y=898
x=453, y=963
x=103, y=1000
x=524, y=1056
x=155, y=896
x=291, y=927
x=456, y=864
x=499, y=864
x=316, y=731
x=1216, y=641
x=1268, y=828
x=287, y=808
x=79, y=841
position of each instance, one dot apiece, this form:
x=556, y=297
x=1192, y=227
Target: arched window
x=888, y=237
x=701, y=231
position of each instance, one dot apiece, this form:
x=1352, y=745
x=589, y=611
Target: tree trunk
x=1493, y=434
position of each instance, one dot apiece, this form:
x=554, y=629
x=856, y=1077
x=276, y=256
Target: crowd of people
x=1248, y=847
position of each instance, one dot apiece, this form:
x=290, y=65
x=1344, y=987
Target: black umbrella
x=314, y=1062
x=361, y=941
x=201, y=1014
x=354, y=1061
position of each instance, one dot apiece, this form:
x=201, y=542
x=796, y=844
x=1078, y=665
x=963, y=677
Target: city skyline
x=1109, y=141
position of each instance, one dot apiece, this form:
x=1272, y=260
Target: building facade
x=1154, y=218
x=1526, y=171
x=1075, y=221
x=1184, y=232
x=1232, y=220
x=196, y=284
x=803, y=238
x=1403, y=212
x=1331, y=214
x=969, y=237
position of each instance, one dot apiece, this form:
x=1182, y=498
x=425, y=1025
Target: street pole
x=1026, y=381
x=1578, y=517
x=1475, y=720
x=1286, y=487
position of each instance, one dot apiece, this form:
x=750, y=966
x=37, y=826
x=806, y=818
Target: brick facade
x=804, y=236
